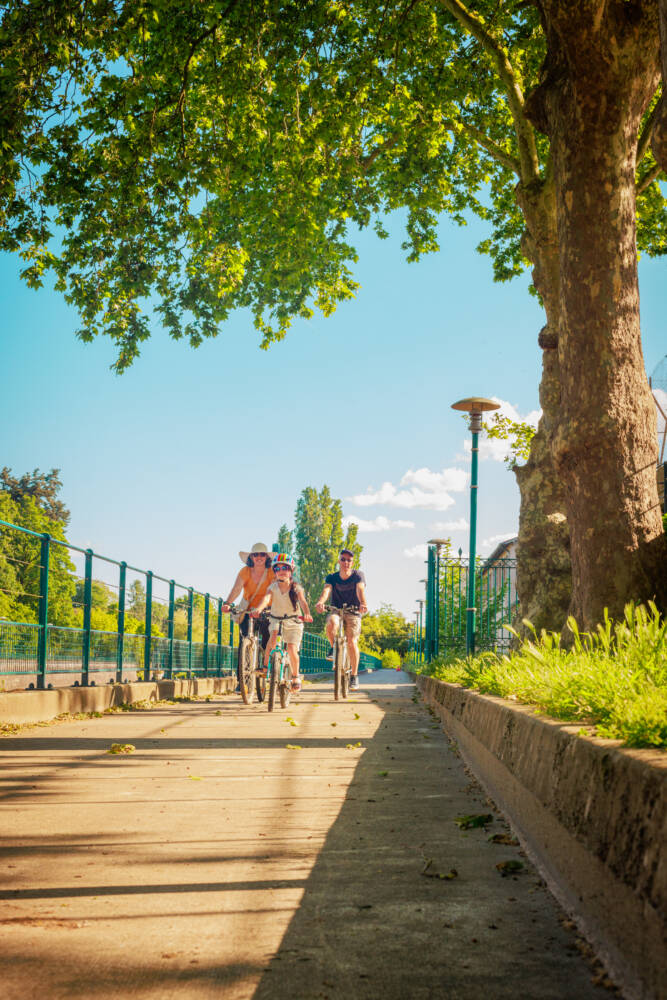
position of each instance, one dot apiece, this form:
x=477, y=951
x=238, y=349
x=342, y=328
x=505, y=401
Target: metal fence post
x=219, y=657
x=121, y=623
x=149, y=625
x=170, y=629
x=207, y=600
x=87, y=607
x=42, y=638
x=190, y=612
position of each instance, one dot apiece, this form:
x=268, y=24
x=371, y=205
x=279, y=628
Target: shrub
x=391, y=660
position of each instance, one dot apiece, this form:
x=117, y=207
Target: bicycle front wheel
x=345, y=675
x=338, y=669
x=247, y=670
x=276, y=660
x=260, y=686
x=285, y=686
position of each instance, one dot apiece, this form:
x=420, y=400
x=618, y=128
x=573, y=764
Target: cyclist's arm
x=234, y=592
x=323, y=598
x=303, y=603
x=361, y=594
x=264, y=603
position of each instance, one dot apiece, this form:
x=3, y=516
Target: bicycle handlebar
x=349, y=609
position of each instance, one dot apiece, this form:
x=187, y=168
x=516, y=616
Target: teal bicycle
x=279, y=679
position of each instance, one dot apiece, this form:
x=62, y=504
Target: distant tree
x=20, y=564
x=285, y=540
x=319, y=537
x=385, y=629
x=43, y=487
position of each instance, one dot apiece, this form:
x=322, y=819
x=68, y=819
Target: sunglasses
x=344, y=559
x=282, y=569
x=259, y=555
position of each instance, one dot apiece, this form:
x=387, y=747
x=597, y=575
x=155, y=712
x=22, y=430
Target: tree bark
x=544, y=575
x=602, y=69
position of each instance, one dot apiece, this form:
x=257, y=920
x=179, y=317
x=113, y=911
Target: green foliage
x=391, y=660
x=614, y=679
x=20, y=563
x=518, y=433
x=319, y=537
x=386, y=629
x=177, y=145
x=43, y=487
x=285, y=540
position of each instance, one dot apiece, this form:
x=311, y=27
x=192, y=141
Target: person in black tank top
x=346, y=587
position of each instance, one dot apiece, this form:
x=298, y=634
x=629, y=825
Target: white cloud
x=417, y=488
x=460, y=525
x=490, y=543
x=380, y=523
x=416, y=551
x=492, y=448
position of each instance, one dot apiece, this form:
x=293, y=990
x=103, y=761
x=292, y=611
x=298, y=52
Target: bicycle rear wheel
x=260, y=685
x=345, y=676
x=247, y=670
x=274, y=667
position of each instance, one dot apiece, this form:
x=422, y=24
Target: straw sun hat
x=257, y=547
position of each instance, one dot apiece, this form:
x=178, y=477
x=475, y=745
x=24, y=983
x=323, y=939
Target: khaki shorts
x=292, y=631
x=351, y=624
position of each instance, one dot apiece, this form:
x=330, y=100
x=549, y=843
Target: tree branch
x=647, y=131
x=528, y=158
x=648, y=178
x=491, y=147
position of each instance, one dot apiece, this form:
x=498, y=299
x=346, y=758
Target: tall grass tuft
x=613, y=679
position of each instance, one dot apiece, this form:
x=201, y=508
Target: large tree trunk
x=544, y=576
x=602, y=68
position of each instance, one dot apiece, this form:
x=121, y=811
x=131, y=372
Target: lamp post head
x=476, y=406
x=438, y=541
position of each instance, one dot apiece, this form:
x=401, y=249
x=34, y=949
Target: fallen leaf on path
x=293, y=746
x=356, y=715
x=193, y=777
x=473, y=821
x=121, y=748
x=383, y=774
x=352, y=746
x=504, y=838
x=509, y=867
x=334, y=723
x=452, y=873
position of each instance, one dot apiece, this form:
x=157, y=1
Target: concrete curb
x=592, y=817
x=40, y=706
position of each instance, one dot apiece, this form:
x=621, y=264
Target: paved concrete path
x=214, y=861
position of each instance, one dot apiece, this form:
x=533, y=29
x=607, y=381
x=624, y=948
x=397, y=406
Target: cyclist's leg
x=270, y=646
x=244, y=625
x=352, y=631
x=331, y=627
x=293, y=654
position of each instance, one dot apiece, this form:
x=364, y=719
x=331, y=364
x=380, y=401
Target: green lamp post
x=439, y=544
x=475, y=406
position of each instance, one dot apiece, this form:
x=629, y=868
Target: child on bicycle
x=286, y=597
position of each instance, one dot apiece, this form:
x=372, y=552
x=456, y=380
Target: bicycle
x=279, y=675
x=341, y=656
x=250, y=682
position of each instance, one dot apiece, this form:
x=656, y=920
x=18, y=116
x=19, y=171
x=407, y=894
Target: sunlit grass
x=613, y=679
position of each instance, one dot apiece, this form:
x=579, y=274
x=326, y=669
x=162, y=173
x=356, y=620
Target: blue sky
x=192, y=455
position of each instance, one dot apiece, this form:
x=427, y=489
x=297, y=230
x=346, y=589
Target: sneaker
x=296, y=684
x=354, y=683
x=329, y=653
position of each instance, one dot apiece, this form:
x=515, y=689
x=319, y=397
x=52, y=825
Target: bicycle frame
x=279, y=674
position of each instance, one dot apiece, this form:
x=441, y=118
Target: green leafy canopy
x=196, y=158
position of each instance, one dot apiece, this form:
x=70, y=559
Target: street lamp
x=475, y=406
x=439, y=544
x=420, y=602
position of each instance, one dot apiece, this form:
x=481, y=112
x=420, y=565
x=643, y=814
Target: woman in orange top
x=254, y=580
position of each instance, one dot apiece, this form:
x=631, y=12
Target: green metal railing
x=450, y=591
x=44, y=649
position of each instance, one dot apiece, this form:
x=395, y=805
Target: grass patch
x=613, y=679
